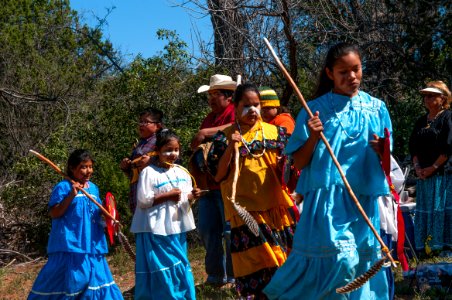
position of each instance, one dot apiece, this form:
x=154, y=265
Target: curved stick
x=236, y=171
x=192, y=178
x=384, y=248
x=186, y=171
x=241, y=211
x=58, y=170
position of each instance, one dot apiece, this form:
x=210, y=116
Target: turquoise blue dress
x=76, y=268
x=333, y=244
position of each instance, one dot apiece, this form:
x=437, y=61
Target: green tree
x=49, y=69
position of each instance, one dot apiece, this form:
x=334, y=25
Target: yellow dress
x=260, y=191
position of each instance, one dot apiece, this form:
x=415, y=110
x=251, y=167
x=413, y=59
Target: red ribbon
x=386, y=165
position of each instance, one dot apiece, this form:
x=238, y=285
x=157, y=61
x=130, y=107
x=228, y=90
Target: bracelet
x=435, y=166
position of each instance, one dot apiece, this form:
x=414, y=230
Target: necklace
x=430, y=121
x=339, y=119
x=248, y=144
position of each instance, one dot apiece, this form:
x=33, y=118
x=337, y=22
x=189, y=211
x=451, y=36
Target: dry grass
x=16, y=280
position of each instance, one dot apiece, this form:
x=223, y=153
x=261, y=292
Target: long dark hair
x=242, y=89
x=325, y=84
x=75, y=158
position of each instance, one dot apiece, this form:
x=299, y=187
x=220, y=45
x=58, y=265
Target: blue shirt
x=81, y=228
x=349, y=125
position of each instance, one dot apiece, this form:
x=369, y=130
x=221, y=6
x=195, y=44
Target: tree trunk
x=228, y=27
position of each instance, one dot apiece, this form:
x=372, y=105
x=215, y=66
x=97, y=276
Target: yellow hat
x=268, y=97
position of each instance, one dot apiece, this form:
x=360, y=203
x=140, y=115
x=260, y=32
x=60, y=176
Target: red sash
x=386, y=164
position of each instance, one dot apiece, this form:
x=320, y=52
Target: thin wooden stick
x=122, y=238
x=241, y=211
x=186, y=171
x=192, y=178
x=384, y=248
x=139, y=158
x=58, y=170
x=235, y=178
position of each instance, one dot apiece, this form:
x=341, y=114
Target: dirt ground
x=16, y=279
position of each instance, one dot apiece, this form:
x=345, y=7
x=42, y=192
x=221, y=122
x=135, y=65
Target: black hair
x=242, y=89
x=325, y=84
x=154, y=113
x=164, y=136
x=75, y=158
x=227, y=93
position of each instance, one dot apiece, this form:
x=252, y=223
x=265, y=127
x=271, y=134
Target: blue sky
x=132, y=24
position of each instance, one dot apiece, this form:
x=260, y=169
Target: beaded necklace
x=430, y=122
x=165, y=168
x=248, y=144
x=339, y=119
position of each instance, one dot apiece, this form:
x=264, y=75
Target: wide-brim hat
x=269, y=98
x=431, y=90
x=219, y=82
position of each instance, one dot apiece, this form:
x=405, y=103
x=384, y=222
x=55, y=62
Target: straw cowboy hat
x=219, y=82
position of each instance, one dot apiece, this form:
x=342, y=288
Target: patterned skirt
x=255, y=259
x=75, y=276
x=433, y=215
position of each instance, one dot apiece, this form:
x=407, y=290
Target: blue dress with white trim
x=76, y=268
x=333, y=244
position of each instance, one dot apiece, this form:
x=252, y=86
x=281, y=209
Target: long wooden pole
x=384, y=248
x=58, y=170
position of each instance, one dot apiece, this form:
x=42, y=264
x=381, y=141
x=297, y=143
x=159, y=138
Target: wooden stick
x=139, y=158
x=58, y=170
x=236, y=171
x=384, y=248
x=241, y=211
x=186, y=171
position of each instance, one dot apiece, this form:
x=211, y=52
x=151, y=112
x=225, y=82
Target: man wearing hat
x=272, y=112
x=212, y=227
x=219, y=96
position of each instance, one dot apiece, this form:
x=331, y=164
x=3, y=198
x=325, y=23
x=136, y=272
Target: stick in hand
x=384, y=248
x=58, y=170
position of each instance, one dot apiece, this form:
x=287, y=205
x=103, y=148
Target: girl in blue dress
x=161, y=221
x=76, y=268
x=333, y=244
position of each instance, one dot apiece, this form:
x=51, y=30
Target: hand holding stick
x=58, y=170
x=384, y=248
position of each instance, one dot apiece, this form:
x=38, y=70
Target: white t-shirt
x=168, y=217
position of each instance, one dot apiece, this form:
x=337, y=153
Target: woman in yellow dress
x=258, y=190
